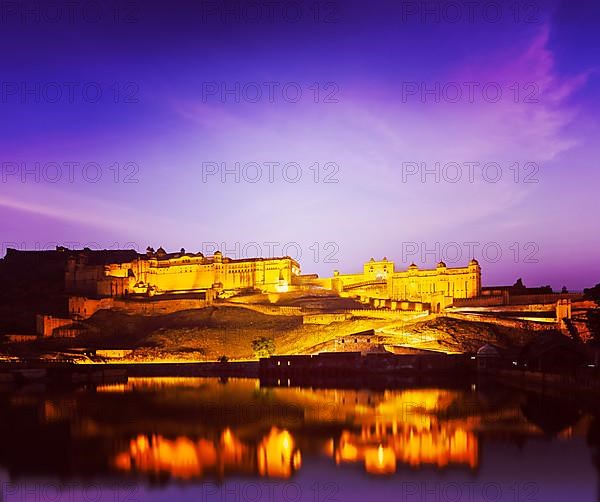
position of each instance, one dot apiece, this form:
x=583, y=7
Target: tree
x=263, y=346
x=223, y=359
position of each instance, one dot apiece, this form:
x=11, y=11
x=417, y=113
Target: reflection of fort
x=393, y=427
x=440, y=446
x=405, y=427
x=184, y=458
x=197, y=428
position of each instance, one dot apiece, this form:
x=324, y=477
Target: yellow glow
x=276, y=454
x=380, y=460
x=282, y=287
x=387, y=428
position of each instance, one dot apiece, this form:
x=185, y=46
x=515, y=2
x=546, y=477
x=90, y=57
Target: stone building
x=434, y=286
x=120, y=273
x=437, y=287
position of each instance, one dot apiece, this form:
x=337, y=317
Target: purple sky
x=160, y=67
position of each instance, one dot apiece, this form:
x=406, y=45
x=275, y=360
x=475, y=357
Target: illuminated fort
x=438, y=286
x=122, y=273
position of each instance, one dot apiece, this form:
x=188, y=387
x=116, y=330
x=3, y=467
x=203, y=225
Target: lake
x=237, y=440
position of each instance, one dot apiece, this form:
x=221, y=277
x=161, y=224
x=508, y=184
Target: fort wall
x=47, y=324
x=430, y=286
x=358, y=342
x=505, y=298
x=503, y=321
x=269, y=309
x=437, y=287
x=112, y=274
x=325, y=319
x=385, y=314
x=84, y=308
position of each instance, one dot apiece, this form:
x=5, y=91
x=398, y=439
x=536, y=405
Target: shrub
x=263, y=346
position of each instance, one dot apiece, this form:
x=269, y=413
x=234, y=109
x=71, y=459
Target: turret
x=474, y=279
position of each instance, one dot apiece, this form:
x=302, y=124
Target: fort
x=98, y=274
x=59, y=292
x=118, y=274
x=121, y=273
x=437, y=287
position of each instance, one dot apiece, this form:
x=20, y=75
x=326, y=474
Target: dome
x=488, y=350
x=441, y=265
x=413, y=266
x=474, y=262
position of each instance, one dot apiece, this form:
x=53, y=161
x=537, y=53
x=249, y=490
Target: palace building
x=438, y=286
x=424, y=285
x=121, y=273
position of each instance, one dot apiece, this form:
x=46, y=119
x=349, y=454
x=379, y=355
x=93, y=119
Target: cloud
x=369, y=135
x=88, y=211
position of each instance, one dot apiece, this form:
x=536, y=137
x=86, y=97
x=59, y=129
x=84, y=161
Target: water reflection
x=196, y=428
x=275, y=456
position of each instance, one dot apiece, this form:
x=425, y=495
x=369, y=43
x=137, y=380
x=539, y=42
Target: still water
x=235, y=440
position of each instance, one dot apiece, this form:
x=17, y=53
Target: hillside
x=206, y=334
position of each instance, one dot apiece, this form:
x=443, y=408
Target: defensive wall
x=47, y=324
x=507, y=299
x=503, y=321
x=83, y=308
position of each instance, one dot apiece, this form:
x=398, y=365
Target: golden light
x=380, y=460
x=277, y=456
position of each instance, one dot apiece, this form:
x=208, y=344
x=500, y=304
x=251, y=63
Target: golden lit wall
x=265, y=274
x=185, y=273
x=426, y=285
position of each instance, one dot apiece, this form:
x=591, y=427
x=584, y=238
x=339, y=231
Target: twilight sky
x=158, y=99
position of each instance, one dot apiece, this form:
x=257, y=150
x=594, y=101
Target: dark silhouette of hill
x=32, y=282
